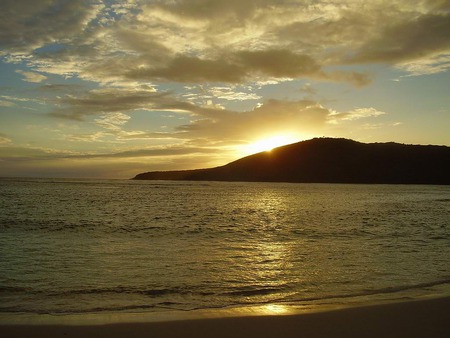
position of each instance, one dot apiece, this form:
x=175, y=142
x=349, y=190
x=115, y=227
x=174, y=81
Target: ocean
x=72, y=246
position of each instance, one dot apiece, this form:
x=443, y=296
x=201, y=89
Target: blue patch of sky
x=284, y=90
x=29, y=99
x=50, y=48
x=203, y=94
x=9, y=77
x=238, y=106
x=405, y=96
x=111, y=13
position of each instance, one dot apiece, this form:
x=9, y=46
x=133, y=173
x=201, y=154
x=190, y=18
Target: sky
x=109, y=89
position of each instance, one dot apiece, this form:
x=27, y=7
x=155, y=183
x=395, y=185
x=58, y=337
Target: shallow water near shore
x=74, y=247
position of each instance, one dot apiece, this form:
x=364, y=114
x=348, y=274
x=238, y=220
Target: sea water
x=84, y=246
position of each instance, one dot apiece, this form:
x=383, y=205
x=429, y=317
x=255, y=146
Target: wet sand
x=420, y=318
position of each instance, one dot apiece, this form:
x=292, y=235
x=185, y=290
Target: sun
x=267, y=144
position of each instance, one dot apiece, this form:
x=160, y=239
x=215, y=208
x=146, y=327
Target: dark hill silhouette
x=328, y=160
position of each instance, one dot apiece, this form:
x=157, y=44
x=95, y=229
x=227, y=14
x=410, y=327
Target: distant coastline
x=329, y=160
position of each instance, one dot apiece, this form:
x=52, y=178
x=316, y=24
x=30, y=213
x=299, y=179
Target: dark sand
x=423, y=318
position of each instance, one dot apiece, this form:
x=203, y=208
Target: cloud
x=308, y=89
x=210, y=123
x=226, y=93
x=147, y=52
x=189, y=69
x=115, y=101
x=4, y=139
x=26, y=25
x=30, y=153
x=224, y=41
x=213, y=9
x=87, y=137
x=408, y=40
x=23, y=153
x=43, y=162
x=355, y=114
x=278, y=63
x=274, y=116
x=112, y=100
x=112, y=121
x=221, y=59
x=244, y=66
x=159, y=151
x=271, y=118
x=357, y=79
x=4, y=103
x=425, y=66
x=377, y=32
x=8, y=101
x=60, y=87
x=32, y=76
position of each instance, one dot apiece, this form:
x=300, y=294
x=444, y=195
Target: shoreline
x=429, y=317
x=420, y=292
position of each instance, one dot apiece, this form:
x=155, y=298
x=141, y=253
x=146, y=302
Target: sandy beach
x=421, y=318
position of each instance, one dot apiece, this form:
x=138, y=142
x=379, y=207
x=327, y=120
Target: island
x=329, y=160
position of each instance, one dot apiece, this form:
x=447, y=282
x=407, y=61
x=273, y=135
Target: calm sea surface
x=82, y=246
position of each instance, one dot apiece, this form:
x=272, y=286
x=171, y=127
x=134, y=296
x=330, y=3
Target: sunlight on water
x=87, y=246
x=275, y=309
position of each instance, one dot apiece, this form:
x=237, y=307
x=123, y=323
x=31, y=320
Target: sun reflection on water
x=275, y=309
x=269, y=257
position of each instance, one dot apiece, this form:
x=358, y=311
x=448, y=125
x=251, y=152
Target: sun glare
x=268, y=144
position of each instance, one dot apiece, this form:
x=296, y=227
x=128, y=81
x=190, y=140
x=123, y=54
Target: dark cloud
x=439, y=5
x=241, y=67
x=192, y=69
x=214, y=9
x=232, y=41
x=328, y=39
x=390, y=33
x=278, y=63
x=28, y=24
x=147, y=44
x=357, y=79
x=408, y=40
x=113, y=101
x=109, y=101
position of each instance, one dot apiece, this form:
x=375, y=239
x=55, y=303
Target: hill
x=329, y=160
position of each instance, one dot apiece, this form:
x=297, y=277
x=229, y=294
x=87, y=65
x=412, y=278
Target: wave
x=443, y=200
x=118, y=290
x=369, y=292
x=123, y=290
x=204, y=299
x=59, y=311
x=254, y=292
x=13, y=289
x=238, y=292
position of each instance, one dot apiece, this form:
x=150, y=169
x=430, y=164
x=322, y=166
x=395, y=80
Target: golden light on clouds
x=198, y=82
